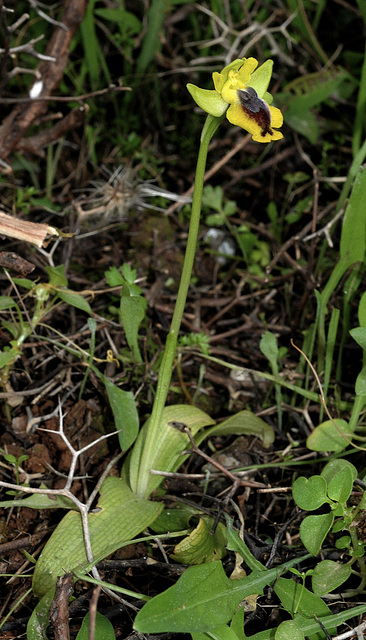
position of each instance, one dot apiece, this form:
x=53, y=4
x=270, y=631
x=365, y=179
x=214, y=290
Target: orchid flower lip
x=256, y=108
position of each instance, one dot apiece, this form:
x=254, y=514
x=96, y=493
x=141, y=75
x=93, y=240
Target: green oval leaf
x=328, y=436
x=289, y=630
x=329, y=575
x=103, y=628
x=313, y=531
x=75, y=300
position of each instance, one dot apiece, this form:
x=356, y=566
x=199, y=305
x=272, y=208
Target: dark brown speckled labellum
x=256, y=108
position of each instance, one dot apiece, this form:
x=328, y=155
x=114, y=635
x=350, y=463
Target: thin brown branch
x=50, y=73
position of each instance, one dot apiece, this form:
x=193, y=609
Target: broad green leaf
x=203, y=598
x=242, y=423
x=328, y=436
x=288, y=630
x=75, y=300
x=353, y=236
x=295, y=598
x=121, y=515
x=125, y=413
x=313, y=531
x=329, y=575
x=201, y=545
x=103, y=628
x=39, y=620
x=170, y=443
x=310, y=493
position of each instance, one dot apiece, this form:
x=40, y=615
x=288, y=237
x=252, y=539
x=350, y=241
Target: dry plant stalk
x=33, y=232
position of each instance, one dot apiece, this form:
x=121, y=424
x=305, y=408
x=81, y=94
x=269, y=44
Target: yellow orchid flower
x=241, y=92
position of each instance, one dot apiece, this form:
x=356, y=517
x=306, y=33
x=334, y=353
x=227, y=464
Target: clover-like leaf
x=310, y=494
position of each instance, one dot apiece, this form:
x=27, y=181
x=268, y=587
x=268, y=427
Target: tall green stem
x=166, y=367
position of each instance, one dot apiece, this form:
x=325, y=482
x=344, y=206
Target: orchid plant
x=241, y=94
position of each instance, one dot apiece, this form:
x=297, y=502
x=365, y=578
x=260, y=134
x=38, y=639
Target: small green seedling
x=16, y=462
x=132, y=309
x=332, y=487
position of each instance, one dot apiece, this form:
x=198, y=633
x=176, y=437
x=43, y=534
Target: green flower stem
x=166, y=367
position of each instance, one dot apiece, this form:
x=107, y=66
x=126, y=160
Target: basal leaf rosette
x=241, y=92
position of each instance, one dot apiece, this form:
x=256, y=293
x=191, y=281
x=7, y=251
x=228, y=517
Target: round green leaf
x=310, y=494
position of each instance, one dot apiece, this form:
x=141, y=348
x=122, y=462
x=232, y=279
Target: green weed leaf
x=329, y=575
x=56, y=276
x=75, y=300
x=295, y=598
x=8, y=356
x=242, y=423
x=132, y=313
x=311, y=628
x=313, y=531
x=6, y=302
x=126, y=418
x=268, y=346
x=219, y=633
x=328, y=436
x=103, y=628
x=289, y=630
x=39, y=620
x=310, y=493
x=203, y=598
x=360, y=385
x=339, y=475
